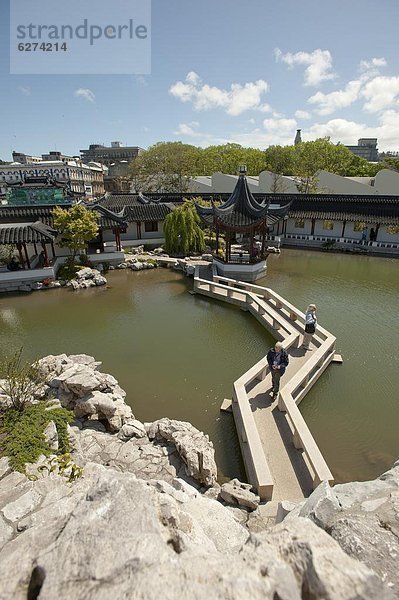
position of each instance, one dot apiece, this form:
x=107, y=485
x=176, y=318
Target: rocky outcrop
x=363, y=517
x=192, y=445
x=79, y=386
x=145, y=518
x=99, y=405
x=86, y=278
x=111, y=535
x=239, y=494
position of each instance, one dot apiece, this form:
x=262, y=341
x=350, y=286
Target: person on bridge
x=310, y=326
x=277, y=359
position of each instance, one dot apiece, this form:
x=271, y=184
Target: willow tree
x=183, y=233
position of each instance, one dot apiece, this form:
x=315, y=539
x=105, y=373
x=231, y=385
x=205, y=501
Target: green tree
x=183, y=233
x=390, y=163
x=165, y=167
x=77, y=227
x=228, y=157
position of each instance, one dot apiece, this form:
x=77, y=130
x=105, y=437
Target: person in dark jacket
x=277, y=359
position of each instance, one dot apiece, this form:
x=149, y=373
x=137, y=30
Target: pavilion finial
x=242, y=169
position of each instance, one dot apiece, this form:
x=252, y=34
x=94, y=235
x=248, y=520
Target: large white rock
x=194, y=447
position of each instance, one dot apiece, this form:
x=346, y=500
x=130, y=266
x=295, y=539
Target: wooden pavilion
x=242, y=214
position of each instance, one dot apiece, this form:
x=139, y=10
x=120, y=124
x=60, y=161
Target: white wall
x=298, y=230
x=336, y=232
x=387, y=182
x=384, y=236
x=329, y=183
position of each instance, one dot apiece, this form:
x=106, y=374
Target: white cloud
x=348, y=132
x=238, y=99
x=368, y=65
x=26, y=91
x=283, y=126
x=303, y=114
x=329, y=103
x=187, y=129
x=86, y=94
x=318, y=64
x=381, y=92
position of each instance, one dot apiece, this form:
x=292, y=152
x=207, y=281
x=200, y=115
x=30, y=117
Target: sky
x=250, y=72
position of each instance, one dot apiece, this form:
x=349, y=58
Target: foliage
x=166, y=167
x=77, y=226
x=85, y=261
x=183, y=233
x=24, y=440
x=390, y=163
x=64, y=466
x=67, y=271
x=329, y=245
x=19, y=380
x=6, y=253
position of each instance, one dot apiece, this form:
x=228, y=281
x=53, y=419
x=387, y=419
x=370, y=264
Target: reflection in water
x=177, y=355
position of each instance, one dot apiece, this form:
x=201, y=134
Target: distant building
x=25, y=159
x=117, y=158
x=109, y=155
x=83, y=180
x=298, y=137
x=366, y=148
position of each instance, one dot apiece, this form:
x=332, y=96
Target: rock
x=36, y=286
x=137, y=266
x=192, y=445
x=207, y=257
x=237, y=493
x=5, y=468
x=321, y=568
x=110, y=529
x=99, y=280
x=132, y=429
x=62, y=282
x=86, y=273
x=51, y=435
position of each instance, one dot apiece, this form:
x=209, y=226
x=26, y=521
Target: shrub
x=20, y=380
x=23, y=433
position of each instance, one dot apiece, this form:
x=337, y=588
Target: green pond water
x=177, y=355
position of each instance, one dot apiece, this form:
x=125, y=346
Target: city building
x=82, y=179
x=117, y=158
x=366, y=148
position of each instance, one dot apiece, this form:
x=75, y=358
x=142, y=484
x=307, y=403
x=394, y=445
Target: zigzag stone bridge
x=282, y=459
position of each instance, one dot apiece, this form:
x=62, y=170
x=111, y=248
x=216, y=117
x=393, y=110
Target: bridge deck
x=290, y=470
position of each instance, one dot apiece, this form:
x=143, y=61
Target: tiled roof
x=378, y=209
x=15, y=214
x=134, y=208
x=26, y=233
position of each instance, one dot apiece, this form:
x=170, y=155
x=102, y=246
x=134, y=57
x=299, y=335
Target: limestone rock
x=132, y=429
x=194, y=447
x=237, y=493
x=51, y=435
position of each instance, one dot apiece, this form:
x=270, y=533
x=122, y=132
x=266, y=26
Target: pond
x=177, y=355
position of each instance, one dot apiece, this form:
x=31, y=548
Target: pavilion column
x=313, y=226
x=343, y=229
x=227, y=251
x=45, y=254
x=52, y=249
x=21, y=258
x=263, y=243
x=26, y=255
x=35, y=247
x=217, y=240
x=376, y=231
x=138, y=230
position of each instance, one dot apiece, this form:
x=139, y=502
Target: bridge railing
x=278, y=315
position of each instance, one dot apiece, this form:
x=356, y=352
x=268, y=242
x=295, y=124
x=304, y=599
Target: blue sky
x=223, y=70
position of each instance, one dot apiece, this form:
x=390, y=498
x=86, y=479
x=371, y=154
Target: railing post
x=293, y=316
x=276, y=325
x=297, y=440
x=280, y=404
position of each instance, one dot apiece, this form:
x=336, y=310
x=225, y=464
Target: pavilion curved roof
x=241, y=210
